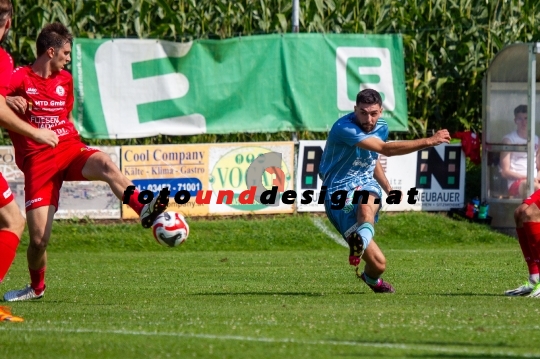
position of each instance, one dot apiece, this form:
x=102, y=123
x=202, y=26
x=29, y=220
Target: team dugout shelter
x=511, y=80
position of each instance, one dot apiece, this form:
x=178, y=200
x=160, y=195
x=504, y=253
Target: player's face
x=6, y=28
x=61, y=57
x=367, y=115
x=521, y=121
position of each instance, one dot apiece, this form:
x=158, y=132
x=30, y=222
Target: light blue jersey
x=344, y=166
x=347, y=167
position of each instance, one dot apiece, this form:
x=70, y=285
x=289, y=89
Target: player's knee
x=110, y=170
x=380, y=263
x=101, y=167
x=365, y=214
x=530, y=214
x=38, y=242
x=376, y=262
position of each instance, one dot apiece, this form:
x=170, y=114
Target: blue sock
x=366, y=232
x=371, y=281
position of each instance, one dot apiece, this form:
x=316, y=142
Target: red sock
x=37, y=278
x=134, y=202
x=533, y=235
x=526, y=249
x=8, y=247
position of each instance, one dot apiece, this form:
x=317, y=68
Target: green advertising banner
x=127, y=88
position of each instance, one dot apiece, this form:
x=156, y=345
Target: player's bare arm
x=10, y=121
x=380, y=177
x=404, y=147
x=504, y=163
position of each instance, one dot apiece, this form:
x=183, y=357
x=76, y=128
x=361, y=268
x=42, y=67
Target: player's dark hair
x=369, y=96
x=520, y=109
x=6, y=11
x=53, y=35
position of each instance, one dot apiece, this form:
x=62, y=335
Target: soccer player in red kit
x=43, y=95
x=11, y=221
x=527, y=219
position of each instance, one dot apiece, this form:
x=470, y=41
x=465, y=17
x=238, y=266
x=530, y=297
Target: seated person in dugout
x=513, y=165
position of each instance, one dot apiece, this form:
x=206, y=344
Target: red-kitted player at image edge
x=42, y=95
x=11, y=221
x=527, y=219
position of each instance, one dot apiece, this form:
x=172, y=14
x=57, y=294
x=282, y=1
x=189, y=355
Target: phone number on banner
x=192, y=185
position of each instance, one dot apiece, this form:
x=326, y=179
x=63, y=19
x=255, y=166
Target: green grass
x=279, y=232
x=274, y=288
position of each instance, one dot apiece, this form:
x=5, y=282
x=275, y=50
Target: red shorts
x=514, y=187
x=533, y=198
x=46, y=171
x=5, y=192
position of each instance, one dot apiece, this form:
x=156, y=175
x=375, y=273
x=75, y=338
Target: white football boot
x=525, y=289
x=536, y=291
x=27, y=293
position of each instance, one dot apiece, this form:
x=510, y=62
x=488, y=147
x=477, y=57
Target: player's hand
x=441, y=136
x=17, y=103
x=46, y=137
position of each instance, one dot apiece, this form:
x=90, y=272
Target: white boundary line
x=339, y=240
x=319, y=224
x=403, y=346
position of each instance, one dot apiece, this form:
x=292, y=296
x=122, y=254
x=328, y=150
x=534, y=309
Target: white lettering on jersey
x=7, y=193
x=29, y=203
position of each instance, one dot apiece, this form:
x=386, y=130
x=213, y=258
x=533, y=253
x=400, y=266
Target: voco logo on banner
x=229, y=165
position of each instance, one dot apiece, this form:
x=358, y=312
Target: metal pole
x=295, y=16
x=295, y=29
x=485, y=174
x=531, y=119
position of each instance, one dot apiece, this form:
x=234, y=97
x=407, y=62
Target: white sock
x=533, y=278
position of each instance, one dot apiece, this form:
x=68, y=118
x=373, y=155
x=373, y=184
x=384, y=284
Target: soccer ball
x=170, y=229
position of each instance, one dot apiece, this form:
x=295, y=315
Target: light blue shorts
x=345, y=220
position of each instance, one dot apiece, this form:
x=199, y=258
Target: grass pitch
x=276, y=287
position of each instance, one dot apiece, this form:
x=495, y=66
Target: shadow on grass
x=456, y=294
x=437, y=345
x=301, y=294
x=453, y=349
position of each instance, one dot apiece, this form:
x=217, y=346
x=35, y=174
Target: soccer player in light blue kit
x=350, y=162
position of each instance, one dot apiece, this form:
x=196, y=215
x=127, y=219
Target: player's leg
x=100, y=167
x=41, y=202
x=11, y=229
x=359, y=235
x=528, y=255
x=39, y=227
x=373, y=256
x=529, y=216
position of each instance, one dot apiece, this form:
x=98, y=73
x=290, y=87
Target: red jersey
x=49, y=100
x=6, y=68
